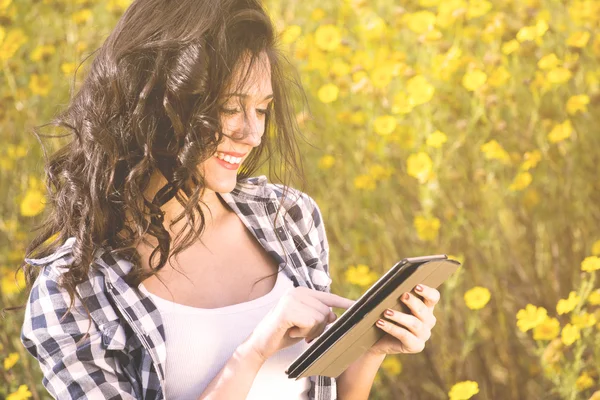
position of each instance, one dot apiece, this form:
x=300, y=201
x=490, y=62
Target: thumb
x=332, y=317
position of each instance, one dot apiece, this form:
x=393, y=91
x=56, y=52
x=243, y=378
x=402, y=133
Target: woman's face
x=246, y=127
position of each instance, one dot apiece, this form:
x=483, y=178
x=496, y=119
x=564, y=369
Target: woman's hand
x=301, y=313
x=407, y=333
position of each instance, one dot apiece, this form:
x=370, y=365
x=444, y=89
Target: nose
x=251, y=130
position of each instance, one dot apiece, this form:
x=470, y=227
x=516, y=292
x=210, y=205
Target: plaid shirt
x=124, y=355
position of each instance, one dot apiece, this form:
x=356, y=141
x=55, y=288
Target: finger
x=330, y=299
x=410, y=322
x=317, y=304
x=410, y=342
x=430, y=295
x=416, y=306
x=308, y=322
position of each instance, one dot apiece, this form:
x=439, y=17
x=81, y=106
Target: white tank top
x=200, y=341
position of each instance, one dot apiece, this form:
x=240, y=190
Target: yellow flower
x=317, y=14
x=596, y=248
x=339, y=68
x=379, y=172
x=401, y=104
x=570, y=334
x=392, y=366
x=477, y=297
x=82, y=16
x=449, y=11
x=13, y=40
x=117, y=6
x=32, y=204
x=4, y=4
x=419, y=166
x=510, y=47
x=547, y=330
x=11, y=360
x=11, y=287
x=541, y=27
x=328, y=37
x=22, y=393
x=419, y=90
x=42, y=51
x=559, y=75
x=594, y=298
x=382, y=75
x=493, y=150
x=427, y=228
x=373, y=27
x=531, y=160
x=530, y=317
x=384, y=124
x=578, y=103
x=565, y=306
x=585, y=320
x=420, y=21
x=326, y=161
x=591, y=263
x=477, y=8
x=560, y=132
x=290, y=34
x=584, y=381
x=68, y=68
x=578, y=39
x=521, y=181
x=549, y=61
x=463, y=390
x=436, y=139
x=358, y=118
x=527, y=33
x=16, y=152
x=499, y=77
x=364, y=182
x=360, y=275
x=474, y=79
x=40, y=84
x=328, y=93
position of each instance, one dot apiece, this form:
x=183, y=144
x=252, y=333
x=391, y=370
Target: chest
x=229, y=267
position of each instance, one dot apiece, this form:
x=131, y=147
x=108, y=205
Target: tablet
x=354, y=332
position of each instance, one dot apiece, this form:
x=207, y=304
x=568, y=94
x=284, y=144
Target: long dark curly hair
x=151, y=101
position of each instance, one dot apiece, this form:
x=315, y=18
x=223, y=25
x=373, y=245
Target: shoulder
x=301, y=207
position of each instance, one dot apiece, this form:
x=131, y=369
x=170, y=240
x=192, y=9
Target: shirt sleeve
x=71, y=370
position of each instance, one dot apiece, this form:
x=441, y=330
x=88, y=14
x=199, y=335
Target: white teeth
x=228, y=158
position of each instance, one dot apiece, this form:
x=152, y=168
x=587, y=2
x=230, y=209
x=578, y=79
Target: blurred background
x=464, y=127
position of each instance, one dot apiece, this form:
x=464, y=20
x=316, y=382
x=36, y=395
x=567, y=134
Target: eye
x=230, y=111
x=263, y=112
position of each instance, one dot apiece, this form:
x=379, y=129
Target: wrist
x=247, y=351
x=375, y=354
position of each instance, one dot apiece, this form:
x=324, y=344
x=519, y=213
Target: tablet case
x=355, y=332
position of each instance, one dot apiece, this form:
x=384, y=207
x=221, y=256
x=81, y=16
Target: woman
x=171, y=274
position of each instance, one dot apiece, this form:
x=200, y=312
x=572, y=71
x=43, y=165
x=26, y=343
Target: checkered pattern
x=122, y=353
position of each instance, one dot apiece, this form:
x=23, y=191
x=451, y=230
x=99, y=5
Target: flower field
x=464, y=127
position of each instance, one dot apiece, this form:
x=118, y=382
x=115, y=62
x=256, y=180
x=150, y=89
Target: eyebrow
x=243, y=95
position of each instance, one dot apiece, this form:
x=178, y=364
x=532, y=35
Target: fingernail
x=406, y=296
x=419, y=288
